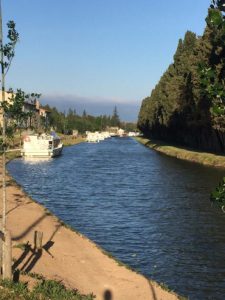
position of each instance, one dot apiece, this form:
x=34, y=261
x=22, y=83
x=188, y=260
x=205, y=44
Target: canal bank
x=68, y=256
x=69, y=140
x=207, y=159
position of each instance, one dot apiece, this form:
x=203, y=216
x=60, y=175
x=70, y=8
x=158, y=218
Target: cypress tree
x=181, y=108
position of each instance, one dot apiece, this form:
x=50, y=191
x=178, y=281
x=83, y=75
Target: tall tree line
x=185, y=107
x=66, y=122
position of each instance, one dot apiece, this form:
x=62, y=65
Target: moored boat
x=42, y=145
x=96, y=137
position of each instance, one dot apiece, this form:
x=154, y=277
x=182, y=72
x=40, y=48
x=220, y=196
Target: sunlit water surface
x=150, y=211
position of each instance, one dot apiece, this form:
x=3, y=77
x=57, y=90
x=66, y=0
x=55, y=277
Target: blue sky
x=96, y=54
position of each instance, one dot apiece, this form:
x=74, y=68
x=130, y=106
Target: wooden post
x=38, y=236
x=7, y=256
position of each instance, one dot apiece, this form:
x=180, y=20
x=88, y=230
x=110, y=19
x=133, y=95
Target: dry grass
x=69, y=140
x=203, y=158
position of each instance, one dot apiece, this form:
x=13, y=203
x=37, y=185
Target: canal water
x=150, y=211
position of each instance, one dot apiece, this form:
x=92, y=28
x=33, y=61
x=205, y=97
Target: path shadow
x=18, y=203
x=29, y=228
x=27, y=249
x=153, y=294
x=32, y=260
x=12, y=209
x=57, y=227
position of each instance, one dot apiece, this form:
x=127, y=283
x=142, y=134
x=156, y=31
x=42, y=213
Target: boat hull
x=43, y=154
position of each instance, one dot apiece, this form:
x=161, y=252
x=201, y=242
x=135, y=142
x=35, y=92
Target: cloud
x=128, y=110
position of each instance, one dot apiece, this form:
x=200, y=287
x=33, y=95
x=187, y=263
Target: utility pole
x=6, y=244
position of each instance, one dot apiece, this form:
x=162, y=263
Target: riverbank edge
x=157, y=285
x=203, y=158
x=70, y=140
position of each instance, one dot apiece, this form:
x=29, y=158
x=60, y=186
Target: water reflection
x=37, y=160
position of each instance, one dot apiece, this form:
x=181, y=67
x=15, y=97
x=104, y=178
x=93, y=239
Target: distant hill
x=128, y=111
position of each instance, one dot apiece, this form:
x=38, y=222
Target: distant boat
x=92, y=137
x=96, y=137
x=42, y=145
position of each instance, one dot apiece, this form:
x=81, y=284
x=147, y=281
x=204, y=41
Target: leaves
x=13, y=35
x=221, y=5
x=215, y=17
x=9, y=48
x=217, y=110
x=218, y=195
x=16, y=117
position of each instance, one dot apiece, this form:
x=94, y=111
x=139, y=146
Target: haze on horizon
x=94, y=55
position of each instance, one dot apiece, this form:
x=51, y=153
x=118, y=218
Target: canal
x=150, y=211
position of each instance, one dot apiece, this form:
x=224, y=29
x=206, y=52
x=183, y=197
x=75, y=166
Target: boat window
x=49, y=144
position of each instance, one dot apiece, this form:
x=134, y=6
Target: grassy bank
x=38, y=289
x=203, y=158
x=12, y=155
x=69, y=140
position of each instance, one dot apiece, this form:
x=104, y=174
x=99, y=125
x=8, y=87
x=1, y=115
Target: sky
x=95, y=54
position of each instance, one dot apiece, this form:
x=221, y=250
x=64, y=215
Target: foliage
x=218, y=195
x=115, y=120
x=8, y=49
x=173, y=102
x=14, y=108
x=213, y=89
x=216, y=17
x=65, y=123
x=187, y=106
x=211, y=80
x=44, y=289
x=7, y=54
x=215, y=86
x=54, y=290
x=16, y=118
x=14, y=114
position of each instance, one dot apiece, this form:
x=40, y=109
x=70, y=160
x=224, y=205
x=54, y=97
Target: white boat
x=92, y=137
x=96, y=137
x=41, y=145
x=133, y=133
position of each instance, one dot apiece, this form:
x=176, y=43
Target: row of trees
x=67, y=122
x=187, y=105
x=17, y=119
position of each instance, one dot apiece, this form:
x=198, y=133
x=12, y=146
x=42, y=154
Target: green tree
x=115, y=119
x=212, y=77
x=7, y=54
